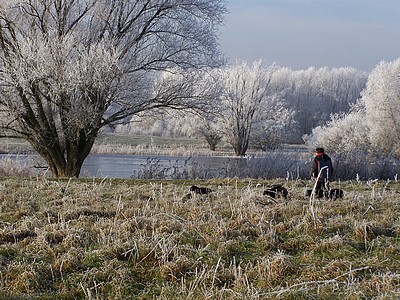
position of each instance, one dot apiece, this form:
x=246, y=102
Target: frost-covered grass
x=9, y=166
x=150, y=145
x=147, y=239
x=13, y=145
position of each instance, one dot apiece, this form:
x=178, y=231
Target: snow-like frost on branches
x=342, y=134
x=70, y=68
x=382, y=105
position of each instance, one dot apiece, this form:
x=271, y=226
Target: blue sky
x=304, y=33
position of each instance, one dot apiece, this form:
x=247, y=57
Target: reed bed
x=152, y=239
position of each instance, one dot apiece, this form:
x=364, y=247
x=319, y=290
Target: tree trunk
x=241, y=139
x=240, y=151
x=65, y=161
x=240, y=146
x=212, y=140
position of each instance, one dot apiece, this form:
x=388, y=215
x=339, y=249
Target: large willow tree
x=70, y=67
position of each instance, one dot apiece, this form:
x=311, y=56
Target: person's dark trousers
x=319, y=190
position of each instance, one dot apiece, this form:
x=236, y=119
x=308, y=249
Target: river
x=145, y=166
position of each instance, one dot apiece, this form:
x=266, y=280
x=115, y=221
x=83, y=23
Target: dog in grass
x=275, y=191
x=331, y=194
x=197, y=190
x=334, y=194
x=200, y=190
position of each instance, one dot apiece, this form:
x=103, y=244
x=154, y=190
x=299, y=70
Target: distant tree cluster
x=316, y=94
x=373, y=124
x=262, y=106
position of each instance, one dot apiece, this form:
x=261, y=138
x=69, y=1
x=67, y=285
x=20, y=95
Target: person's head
x=319, y=151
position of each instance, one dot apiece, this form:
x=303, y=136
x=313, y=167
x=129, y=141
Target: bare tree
x=209, y=131
x=69, y=68
x=247, y=100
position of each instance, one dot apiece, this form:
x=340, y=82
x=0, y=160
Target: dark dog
x=331, y=194
x=334, y=194
x=276, y=190
x=200, y=190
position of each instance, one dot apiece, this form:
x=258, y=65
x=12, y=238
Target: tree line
x=262, y=106
x=371, y=129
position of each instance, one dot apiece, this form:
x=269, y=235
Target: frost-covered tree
x=373, y=125
x=271, y=132
x=382, y=107
x=312, y=95
x=343, y=133
x=199, y=120
x=209, y=131
x=69, y=68
x=246, y=101
x=205, y=123
x=315, y=94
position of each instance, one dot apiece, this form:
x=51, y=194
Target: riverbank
x=147, y=239
x=155, y=145
x=131, y=145
x=142, y=145
x=122, y=156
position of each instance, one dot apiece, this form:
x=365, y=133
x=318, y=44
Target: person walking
x=322, y=171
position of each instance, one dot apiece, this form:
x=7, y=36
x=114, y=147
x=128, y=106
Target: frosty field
x=147, y=239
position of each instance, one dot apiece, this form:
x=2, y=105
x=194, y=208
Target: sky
x=312, y=33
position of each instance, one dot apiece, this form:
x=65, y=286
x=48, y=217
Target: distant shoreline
x=144, y=145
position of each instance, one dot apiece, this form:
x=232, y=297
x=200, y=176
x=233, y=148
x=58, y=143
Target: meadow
x=152, y=239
